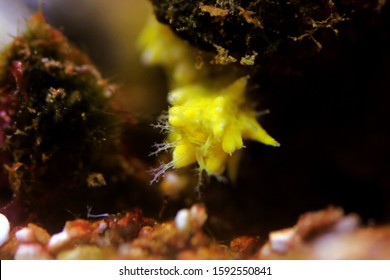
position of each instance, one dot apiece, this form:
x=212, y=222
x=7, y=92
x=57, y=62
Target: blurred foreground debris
x=326, y=234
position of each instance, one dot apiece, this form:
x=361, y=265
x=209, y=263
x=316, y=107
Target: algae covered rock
x=58, y=133
x=245, y=29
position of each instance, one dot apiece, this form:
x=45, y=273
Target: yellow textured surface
x=208, y=125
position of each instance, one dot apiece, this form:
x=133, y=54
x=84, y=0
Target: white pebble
x=280, y=240
x=25, y=235
x=198, y=215
x=31, y=252
x=182, y=220
x=58, y=240
x=4, y=229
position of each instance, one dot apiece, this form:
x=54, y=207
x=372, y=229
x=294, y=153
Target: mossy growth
x=57, y=130
x=244, y=30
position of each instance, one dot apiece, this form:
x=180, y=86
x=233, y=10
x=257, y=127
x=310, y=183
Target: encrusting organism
x=207, y=121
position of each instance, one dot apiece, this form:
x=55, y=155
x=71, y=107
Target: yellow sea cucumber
x=207, y=125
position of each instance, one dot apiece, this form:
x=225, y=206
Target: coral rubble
x=325, y=234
